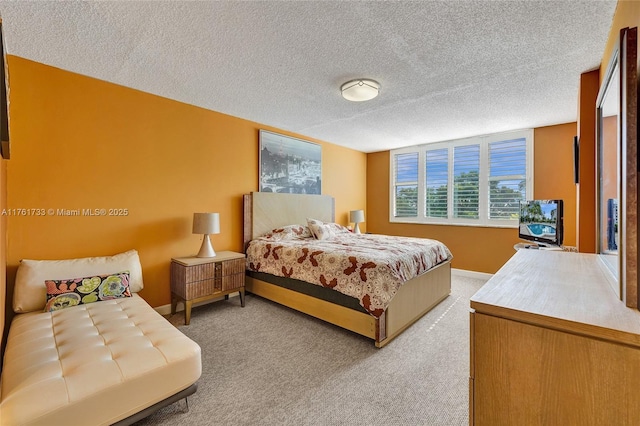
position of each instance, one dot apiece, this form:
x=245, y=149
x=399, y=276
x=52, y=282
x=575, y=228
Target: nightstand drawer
x=230, y=267
x=189, y=274
x=232, y=281
x=197, y=289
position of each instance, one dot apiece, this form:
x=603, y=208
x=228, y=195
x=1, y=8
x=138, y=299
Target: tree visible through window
x=478, y=180
x=466, y=180
x=406, y=188
x=437, y=175
x=507, y=178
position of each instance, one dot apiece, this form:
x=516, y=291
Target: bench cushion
x=30, y=292
x=93, y=364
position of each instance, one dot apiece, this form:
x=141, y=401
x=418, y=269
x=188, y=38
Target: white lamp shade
x=356, y=216
x=360, y=90
x=206, y=223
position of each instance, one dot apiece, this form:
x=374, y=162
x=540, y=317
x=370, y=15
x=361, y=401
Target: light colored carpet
x=266, y=364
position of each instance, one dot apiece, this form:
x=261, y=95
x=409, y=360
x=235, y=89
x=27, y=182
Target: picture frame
x=289, y=165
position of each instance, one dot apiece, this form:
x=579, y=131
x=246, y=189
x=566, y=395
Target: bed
x=265, y=212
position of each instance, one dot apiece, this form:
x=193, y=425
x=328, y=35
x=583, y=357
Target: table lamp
x=356, y=216
x=206, y=223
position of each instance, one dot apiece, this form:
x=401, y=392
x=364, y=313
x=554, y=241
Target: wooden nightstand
x=196, y=279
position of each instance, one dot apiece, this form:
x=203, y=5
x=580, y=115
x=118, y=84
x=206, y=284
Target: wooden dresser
x=552, y=345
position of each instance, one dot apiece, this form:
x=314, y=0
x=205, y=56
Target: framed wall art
x=289, y=165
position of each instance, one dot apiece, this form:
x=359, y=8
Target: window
x=406, y=184
x=437, y=175
x=476, y=181
x=466, y=180
x=507, y=177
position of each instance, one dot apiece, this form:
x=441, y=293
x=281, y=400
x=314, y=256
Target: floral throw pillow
x=290, y=232
x=320, y=230
x=78, y=291
x=338, y=229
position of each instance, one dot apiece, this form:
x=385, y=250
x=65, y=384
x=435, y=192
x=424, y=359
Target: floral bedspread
x=368, y=267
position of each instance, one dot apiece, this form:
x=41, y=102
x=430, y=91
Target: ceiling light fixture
x=360, y=90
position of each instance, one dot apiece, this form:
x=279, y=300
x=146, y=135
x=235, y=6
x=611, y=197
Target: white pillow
x=320, y=229
x=30, y=291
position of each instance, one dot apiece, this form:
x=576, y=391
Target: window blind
x=507, y=178
x=476, y=181
x=437, y=180
x=406, y=185
x=466, y=181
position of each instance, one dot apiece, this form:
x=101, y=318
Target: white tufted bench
x=94, y=364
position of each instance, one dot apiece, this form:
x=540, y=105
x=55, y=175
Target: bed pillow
x=338, y=229
x=80, y=291
x=30, y=292
x=290, y=232
x=320, y=229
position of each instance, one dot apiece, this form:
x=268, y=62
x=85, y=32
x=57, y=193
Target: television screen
x=541, y=221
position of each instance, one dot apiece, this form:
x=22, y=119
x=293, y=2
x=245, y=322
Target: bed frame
x=264, y=211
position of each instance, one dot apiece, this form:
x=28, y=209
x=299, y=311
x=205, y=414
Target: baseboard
x=166, y=309
x=471, y=274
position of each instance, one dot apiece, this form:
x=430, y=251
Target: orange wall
x=609, y=179
x=586, y=189
x=553, y=172
x=483, y=249
x=78, y=142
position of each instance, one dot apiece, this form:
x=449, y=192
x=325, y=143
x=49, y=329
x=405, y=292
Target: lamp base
x=206, y=249
x=356, y=230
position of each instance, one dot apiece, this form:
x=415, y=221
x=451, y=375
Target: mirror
x=617, y=168
x=608, y=115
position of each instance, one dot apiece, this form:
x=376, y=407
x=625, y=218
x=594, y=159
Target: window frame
x=396, y=184
x=483, y=187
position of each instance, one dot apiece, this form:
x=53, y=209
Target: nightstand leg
x=174, y=304
x=242, y=297
x=187, y=312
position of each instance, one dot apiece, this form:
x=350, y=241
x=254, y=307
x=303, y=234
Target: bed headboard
x=264, y=211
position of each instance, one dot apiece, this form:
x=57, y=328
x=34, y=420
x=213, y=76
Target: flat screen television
x=541, y=221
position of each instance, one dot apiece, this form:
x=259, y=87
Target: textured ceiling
x=447, y=69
